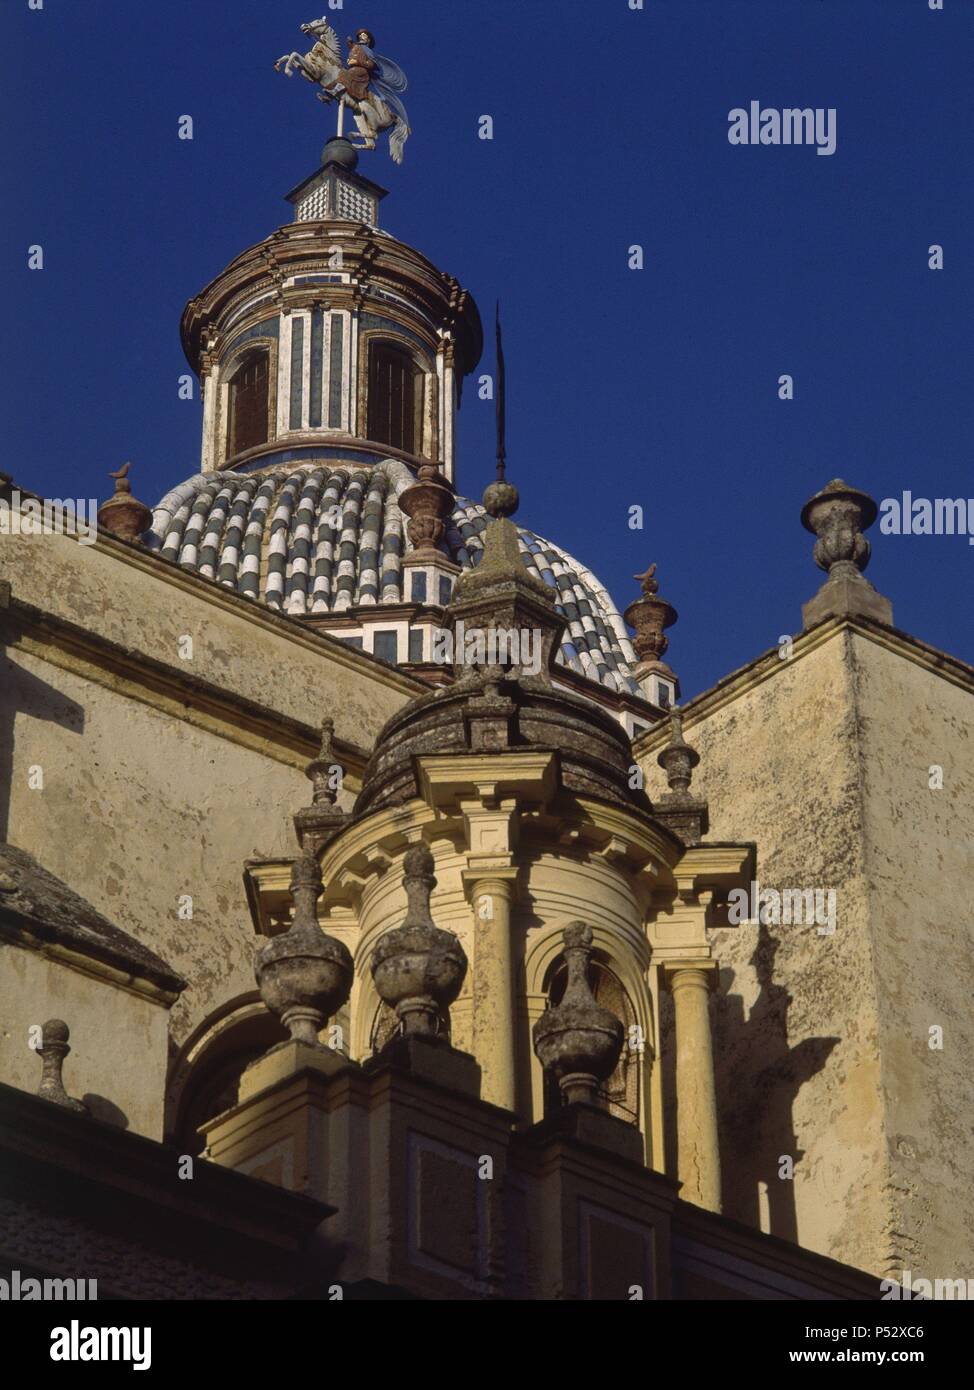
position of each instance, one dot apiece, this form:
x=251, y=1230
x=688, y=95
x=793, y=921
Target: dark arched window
x=248, y=404
x=395, y=397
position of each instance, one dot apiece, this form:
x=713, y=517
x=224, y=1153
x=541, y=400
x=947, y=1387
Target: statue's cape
x=386, y=81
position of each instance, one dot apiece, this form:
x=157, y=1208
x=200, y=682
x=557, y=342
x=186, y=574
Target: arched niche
x=620, y=971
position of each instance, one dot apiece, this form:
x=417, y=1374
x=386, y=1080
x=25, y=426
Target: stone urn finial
x=578, y=1041
x=678, y=758
x=53, y=1050
x=418, y=968
x=649, y=615
x=124, y=515
x=427, y=503
x=838, y=516
x=304, y=975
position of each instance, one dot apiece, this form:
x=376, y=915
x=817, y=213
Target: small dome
x=316, y=538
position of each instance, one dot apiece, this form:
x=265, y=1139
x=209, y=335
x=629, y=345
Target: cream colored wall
x=138, y=809
x=821, y=1040
x=117, y=1062
x=919, y=859
x=796, y=1029
x=144, y=604
x=140, y=805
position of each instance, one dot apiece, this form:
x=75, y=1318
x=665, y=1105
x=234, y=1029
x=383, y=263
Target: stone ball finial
x=124, y=515
x=577, y=1041
x=304, y=974
x=340, y=151
x=501, y=498
x=53, y=1050
x=418, y=968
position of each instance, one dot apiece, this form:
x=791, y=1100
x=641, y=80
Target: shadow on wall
x=25, y=694
x=100, y=1108
x=758, y=1076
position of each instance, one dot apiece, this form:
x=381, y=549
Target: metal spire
x=500, y=400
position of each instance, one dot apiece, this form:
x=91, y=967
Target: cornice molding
x=189, y=699
x=766, y=666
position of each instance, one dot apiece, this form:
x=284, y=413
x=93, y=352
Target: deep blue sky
x=656, y=387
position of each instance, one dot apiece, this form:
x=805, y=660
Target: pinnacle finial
x=53, y=1050
x=304, y=974
x=501, y=498
x=577, y=1041
x=320, y=822
x=678, y=758
x=319, y=769
x=418, y=968
x=501, y=404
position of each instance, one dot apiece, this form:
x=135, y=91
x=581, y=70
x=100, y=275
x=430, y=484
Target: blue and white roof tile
x=319, y=538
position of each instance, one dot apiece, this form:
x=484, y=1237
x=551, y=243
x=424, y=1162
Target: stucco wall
x=821, y=1040
x=148, y=605
x=919, y=855
x=140, y=805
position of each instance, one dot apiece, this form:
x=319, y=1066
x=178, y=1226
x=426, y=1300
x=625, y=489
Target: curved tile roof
x=332, y=537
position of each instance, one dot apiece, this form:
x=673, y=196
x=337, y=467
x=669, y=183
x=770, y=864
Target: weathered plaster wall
x=149, y=606
x=117, y=1062
x=140, y=805
x=137, y=809
x=796, y=1030
x=821, y=1041
x=919, y=857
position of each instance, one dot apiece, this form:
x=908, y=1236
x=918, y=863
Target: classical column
x=696, y=1101
x=491, y=895
x=210, y=386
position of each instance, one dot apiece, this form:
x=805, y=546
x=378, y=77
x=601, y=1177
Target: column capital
x=706, y=971
x=500, y=880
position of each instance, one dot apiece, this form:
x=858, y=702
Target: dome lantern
x=331, y=336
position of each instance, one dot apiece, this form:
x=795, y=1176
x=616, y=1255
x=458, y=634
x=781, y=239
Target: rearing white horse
x=379, y=110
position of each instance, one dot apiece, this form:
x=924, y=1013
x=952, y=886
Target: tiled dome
x=271, y=535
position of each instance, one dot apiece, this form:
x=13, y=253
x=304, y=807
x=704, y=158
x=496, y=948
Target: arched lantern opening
x=395, y=401
x=249, y=404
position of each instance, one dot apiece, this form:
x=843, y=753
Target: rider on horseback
x=361, y=65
